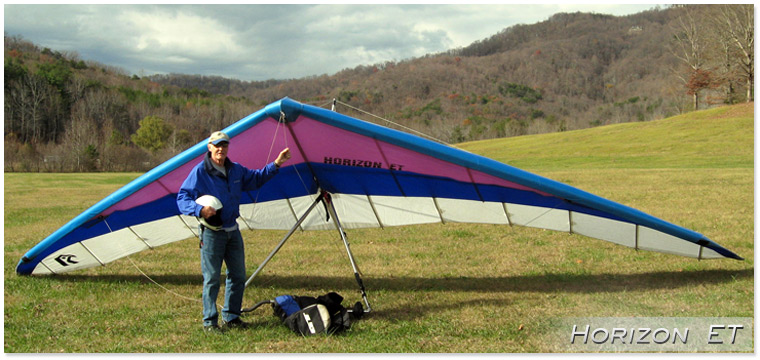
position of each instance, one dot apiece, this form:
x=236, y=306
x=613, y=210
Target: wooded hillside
x=572, y=71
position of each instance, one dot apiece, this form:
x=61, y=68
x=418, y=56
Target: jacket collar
x=210, y=167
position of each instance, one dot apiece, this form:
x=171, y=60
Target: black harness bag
x=309, y=316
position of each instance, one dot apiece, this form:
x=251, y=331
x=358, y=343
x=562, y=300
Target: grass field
x=453, y=288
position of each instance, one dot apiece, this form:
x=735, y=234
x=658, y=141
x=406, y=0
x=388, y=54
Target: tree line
x=67, y=114
x=571, y=71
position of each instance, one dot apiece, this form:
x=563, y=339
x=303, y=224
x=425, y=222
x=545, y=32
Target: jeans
x=218, y=246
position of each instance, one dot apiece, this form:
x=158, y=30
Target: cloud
x=258, y=42
x=179, y=33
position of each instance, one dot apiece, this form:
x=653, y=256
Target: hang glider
x=375, y=177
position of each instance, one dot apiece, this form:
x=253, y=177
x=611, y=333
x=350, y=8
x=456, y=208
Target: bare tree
x=737, y=24
x=689, y=46
x=77, y=138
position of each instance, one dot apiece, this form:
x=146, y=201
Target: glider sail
x=376, y=176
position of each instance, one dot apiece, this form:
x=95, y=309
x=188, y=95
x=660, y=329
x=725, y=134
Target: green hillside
x=716, y=138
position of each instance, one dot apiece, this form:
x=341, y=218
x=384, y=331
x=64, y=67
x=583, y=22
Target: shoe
x=236, y=323
x=212, y=328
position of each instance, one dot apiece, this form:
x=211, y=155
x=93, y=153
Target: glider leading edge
x=376, y=176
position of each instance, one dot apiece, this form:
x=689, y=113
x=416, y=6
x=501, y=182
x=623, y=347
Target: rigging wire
x=163, y=287
x=287, y=145
x=151, y=279
x=398, y=125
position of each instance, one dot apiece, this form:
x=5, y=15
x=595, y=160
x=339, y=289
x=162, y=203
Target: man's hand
x=283, y=157
x=208, y=212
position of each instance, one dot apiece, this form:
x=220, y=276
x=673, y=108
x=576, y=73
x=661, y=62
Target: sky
x=254, y=42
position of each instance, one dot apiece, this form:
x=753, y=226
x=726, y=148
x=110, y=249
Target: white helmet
x=214, y=222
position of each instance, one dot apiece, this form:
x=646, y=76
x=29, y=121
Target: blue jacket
x=204, y=179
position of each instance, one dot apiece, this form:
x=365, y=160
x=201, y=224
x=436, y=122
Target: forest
x=572, y=71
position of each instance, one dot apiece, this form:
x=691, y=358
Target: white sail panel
x=115, y=245
x=270, y=215
x=355, y=211
x=539, y=217
x=397, y=211
x=650, y=239
x=472, y=211
x=72, y=257
x=618, y=232
x=163, y=231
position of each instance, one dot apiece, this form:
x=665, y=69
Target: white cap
x=218, y=137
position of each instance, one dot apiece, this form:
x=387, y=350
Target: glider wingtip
x=22, y=268
x=725, y=252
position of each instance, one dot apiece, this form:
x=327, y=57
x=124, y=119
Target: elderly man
x=223, y=181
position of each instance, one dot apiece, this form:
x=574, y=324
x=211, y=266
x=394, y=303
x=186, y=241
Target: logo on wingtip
x=66, y=259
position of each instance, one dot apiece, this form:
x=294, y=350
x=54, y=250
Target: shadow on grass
x=546, y=283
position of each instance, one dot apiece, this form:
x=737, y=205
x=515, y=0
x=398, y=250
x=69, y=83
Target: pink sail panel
x=317, y=139
x=168, y=184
